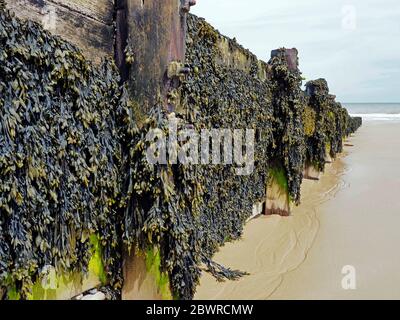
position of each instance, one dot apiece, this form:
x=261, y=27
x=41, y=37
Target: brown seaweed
x=73, y=163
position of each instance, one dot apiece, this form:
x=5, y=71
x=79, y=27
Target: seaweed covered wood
x=354, y=123
x=332, y=124
x=288, y=104
x=87, y=24
x=189, y=211
x=71, y=157
x=227, y=96
x=59, y=157
x=159, y=211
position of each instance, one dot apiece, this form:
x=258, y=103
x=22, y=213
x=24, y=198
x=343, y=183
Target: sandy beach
x=349, y=217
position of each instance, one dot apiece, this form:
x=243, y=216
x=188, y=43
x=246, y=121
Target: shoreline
x=273, y=246
x=349, y=218
x=359, y=228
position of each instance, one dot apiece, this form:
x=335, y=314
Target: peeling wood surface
x=88, y=24
x=121, y=37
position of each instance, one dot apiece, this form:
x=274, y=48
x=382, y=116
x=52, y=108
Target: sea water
x=374, y=111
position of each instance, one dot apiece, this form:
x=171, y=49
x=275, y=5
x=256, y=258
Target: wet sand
x=350, y=217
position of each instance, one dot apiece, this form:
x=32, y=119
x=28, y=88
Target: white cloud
x=361, y=65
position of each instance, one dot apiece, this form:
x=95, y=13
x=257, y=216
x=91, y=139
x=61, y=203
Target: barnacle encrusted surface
x=59, y=156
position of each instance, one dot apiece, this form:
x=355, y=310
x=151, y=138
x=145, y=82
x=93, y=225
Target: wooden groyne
x=86, y=209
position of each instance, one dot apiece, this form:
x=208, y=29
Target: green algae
x=153, y=266
x=96, y=263
x=58, y=285
x=328, y=149
x=279, y=176
x=13, y=294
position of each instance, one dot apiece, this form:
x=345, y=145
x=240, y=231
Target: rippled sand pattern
x=273, y=246
x=350, y=217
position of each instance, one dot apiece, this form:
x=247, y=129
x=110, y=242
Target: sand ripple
x=273, y=246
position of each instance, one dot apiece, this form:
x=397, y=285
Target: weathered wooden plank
x=157, y=33
x=232, y=55
x=86, y=24
x=100, y=10
x=277, y=200
x=121, y=37
x=140, y=279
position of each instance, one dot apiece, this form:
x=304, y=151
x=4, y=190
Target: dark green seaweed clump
x=323, y=104
x=189, y=211
x=59, y=156
x=158, y=211
x=354, y=123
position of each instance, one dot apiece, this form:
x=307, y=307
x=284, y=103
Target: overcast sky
x=354, y=44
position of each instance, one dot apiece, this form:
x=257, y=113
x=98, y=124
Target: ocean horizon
x=374, y=111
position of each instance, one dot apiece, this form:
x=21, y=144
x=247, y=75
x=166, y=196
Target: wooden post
x=156, y=33
x=292, y=57
x=152, y=34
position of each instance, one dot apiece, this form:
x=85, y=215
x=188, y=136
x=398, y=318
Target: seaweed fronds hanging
x=73, y=164
x=59, y=156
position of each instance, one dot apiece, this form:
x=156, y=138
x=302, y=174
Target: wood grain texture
x=157, y=33
x=88, y=24
x=100, y=10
